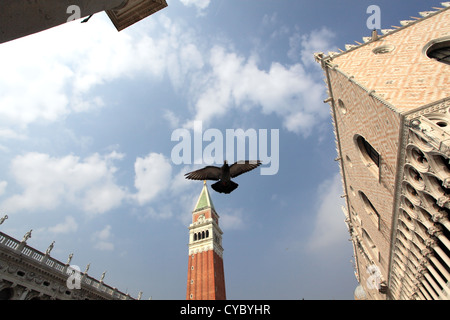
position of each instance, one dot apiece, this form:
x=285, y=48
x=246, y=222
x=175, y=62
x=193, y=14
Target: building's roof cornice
x=386, y=32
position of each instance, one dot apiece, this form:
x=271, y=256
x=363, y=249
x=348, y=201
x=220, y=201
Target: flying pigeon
x=223, y=174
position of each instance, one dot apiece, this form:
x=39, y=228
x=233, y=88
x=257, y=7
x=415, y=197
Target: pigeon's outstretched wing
x=207, y=173
x=241, y=167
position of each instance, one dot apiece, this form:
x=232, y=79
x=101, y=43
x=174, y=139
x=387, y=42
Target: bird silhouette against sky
x=223, y=174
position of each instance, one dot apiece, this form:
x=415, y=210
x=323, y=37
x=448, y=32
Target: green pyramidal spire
x=204, y=200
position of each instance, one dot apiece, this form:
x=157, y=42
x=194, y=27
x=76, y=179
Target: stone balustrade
x=55, y=266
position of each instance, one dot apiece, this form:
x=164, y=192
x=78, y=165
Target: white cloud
x=232, y=220
x=277, y=28
x=162, y=213
x=69, y=225
x=329, y=226
x=69, y=61
x=179, y=183
x=72, y=59
x=48, y=182
x=199, y=4
x=153, y=175
x=173, y=120
x=102, y=239
x=3, y=185
x=11, y=134
x=32, y=87
x=88, y=184
x=103, y=198
x=303, y=46
x=270, y=20
x=287, y=91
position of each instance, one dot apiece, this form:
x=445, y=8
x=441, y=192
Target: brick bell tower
x=206, y=278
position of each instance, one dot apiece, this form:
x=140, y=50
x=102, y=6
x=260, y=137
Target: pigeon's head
x=225, y=164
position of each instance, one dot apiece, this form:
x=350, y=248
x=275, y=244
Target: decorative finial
x=70, y=258
x=27, y=236
x=3, y=219
x=374, y=35
x=49, y=249
x=103, y=276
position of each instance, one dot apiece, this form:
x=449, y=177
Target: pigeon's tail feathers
x=224, y=187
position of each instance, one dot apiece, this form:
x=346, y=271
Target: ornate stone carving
x=3, y=219
x=430, y=242
x=50, y=248
x=27, y=236
x=435, y=230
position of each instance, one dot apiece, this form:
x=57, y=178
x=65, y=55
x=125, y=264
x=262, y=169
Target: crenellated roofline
x=385, y=32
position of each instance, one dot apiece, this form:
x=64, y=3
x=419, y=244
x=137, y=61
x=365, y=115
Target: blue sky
x=86, y=119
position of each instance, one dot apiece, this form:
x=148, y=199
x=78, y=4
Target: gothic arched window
x=371, y=244
x=370, y=209
x=368, y=152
